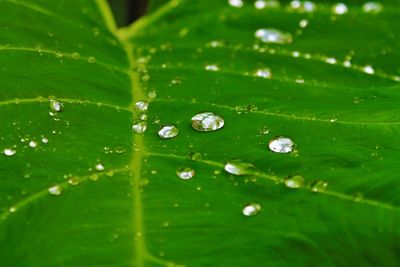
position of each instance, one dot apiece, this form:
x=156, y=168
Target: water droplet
x=92, y=60
x=9, y=152
x=235, y=3
x=281, y=144
x=32, y=144
x=330, y=60
x=75, y=55
x=152, y=94
x=273, y=36
x=264, y=130
x=74, y=180
x=319, y=186
x=303, y=23
x=141, y=106
x=340, y=9
x=195, y=156
x=207, y=121
x=139, y=127
x=294, y=181
x=55, y=106
x=99, y=167
x=45, y=140
x=303, y=6
x=261, y=4
x=358, y=197
x=372, y=7
x=211, y=67
x=12, y=209
x=185, y=173
x=369, y=69
x=238, y=167
x=264, y=73
x=251, y=209
x=55, y=190
x=168, y=131
x=176, y=81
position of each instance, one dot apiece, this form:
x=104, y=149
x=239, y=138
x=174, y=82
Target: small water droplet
x=303, y=23
x=74, y=180
x=281, y=144
x=55, y=190
x=264, y=73
x=303, y=6
x=99, y=167
x=12, y=209
x=141, y=106
x=211, y=68
x=330, y=60
x=339, y=9
x=236, y=3
x=185, y=173
x=358, y=197
x=45, y=140
x=369, y=69
x=75, y=55
x=238, y=167
x=207, y=121
x=168, y=131
x=92, y=60
x=372, y=7
x=32, y=144
x=152, y=94
x=195, y=156
x=139, y=127
x=273, y=36
x=264, y=130
x=251, y=209
x=9, y=152
x=261, y=4
x=294, y=181
x=319, y=186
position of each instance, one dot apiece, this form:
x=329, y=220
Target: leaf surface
x=334, y=90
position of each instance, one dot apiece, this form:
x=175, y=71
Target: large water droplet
x=251, y=209
x=207, y=121
x=372, y=7
x=369, y=69
x=168, y=131
x=9, y=152
x=273, y=36
x=139, y=127
x=141, y=106
x=294, y=181
x=55, y=106
x=185, y=173
x=33, y=144
x=55, y=190
x=319, y=186
x=238, y=167
x=281, y=144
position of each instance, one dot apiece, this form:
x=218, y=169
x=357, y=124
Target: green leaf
x=79, y=188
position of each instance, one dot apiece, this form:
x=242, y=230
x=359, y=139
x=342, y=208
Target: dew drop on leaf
x=55, y=106
x=235, y=3
x=32, y=144
x=281, y=144
x=9, y=152
x=195, y=156
x=303, y=23
x=251, y=209
x=303, y=6
x=369, y=69
x=372, y=7
x=12, y=209
x=141, y=106
x=319, y=186
x=211, y=67
x=185, y=173
x=263, y=73
x=139, y=127
x=207, y=121
x=339, y=9
x=261, y=4
x=45, y=140
x=238, y=167
x=74, y=180
x=273, y=36
x=92, y=60
x=99, y=167
x=152, y=94
x=294, y=181
x=55, y=190
x=168, y=131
